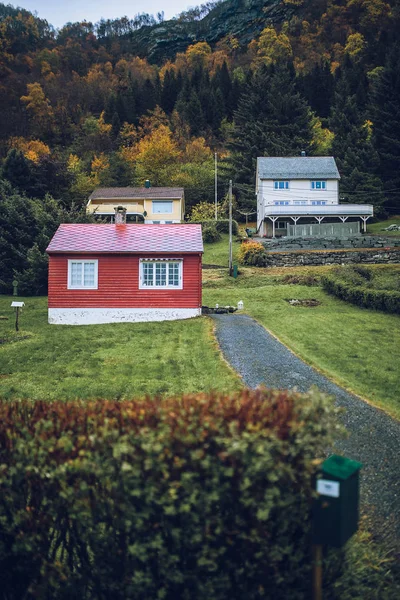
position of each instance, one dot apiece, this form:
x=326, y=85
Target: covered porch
x=315, y=221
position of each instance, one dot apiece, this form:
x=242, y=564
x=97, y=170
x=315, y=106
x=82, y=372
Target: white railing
x=313, y=209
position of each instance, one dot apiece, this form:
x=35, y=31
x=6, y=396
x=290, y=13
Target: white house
x=299, y=196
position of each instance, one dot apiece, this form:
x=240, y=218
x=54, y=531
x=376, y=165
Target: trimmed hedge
x=356, y=293
x=189, y=498
x=222, y=225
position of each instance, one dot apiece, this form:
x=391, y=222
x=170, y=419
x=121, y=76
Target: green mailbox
x=335, y=512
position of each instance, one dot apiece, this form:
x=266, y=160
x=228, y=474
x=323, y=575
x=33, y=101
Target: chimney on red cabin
x=120, y=215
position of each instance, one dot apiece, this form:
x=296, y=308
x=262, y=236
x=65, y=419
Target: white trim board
x=97, y=316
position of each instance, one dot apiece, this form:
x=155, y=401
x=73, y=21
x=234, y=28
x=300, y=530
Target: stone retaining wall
x=364, y=241
x=332, y=257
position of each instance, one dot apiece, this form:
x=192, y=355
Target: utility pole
x=216, y=187
x=230, y=228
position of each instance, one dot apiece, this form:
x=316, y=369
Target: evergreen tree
x=222, y=81
x=386, y=121
x=17, y=233
x=147, y=99
x=50, y=176
x=157, y=89
x=169, y=93
x=272, y=119
x=189, y=107
x=115, y=125
x=119, y=173
x=127, y=105
x=200, y=79
x=213, y=108
x=194, y=114
x=357, y=160
x=110, y=108
x=317, y=87
x=17, y=171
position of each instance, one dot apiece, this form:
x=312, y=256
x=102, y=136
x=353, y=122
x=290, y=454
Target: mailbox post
x=335, y=511
x=17, y=306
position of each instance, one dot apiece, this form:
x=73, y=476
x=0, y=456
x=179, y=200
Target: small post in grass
x=17, y=306
x=317, y=572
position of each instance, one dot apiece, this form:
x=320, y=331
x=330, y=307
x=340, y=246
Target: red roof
x=127, y=238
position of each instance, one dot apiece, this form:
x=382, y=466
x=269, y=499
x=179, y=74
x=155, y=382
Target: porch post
x=364, y=220
x=273, y=219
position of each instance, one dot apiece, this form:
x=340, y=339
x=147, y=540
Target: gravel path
x=375, y=437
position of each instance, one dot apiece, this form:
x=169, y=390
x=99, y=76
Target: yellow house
x=143, y=204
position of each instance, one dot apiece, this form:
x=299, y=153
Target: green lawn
x=378, y=228
x=218, y=253
x=106, y=361
x=358, y=348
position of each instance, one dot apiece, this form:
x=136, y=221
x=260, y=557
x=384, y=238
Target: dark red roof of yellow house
x=133, y=193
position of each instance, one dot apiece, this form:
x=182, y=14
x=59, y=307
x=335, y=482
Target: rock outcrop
x=244, y=19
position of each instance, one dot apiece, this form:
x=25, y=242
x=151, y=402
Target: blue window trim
x=318, y=184
x=281, y=185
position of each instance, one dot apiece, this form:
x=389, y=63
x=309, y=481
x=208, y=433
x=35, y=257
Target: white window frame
x=162, y=212
x=318, y=202
x=281, y=189
x=318, y=189
x=160, y=261
x=94, y=262
x=281, y=202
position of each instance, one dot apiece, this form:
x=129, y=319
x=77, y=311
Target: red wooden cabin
x=124, y=273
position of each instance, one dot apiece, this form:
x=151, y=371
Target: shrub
x=189, y=498
x=210, y=234
x=252, y=254
x=202, y=212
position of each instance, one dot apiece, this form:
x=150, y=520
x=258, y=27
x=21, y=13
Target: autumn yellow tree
x=355, y=45
x=39, y=109
x=156, y=157
x=271, y=47
x=99, y=167
x=83, y=184
x=197, y=151
x=322, y=138
x=198, y=54
x=33, y=150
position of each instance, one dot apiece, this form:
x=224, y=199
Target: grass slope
x=106, y=361
x=378, y=228
x=218, y=253
x=356, y=347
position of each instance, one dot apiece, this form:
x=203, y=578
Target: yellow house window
x=162, y=208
